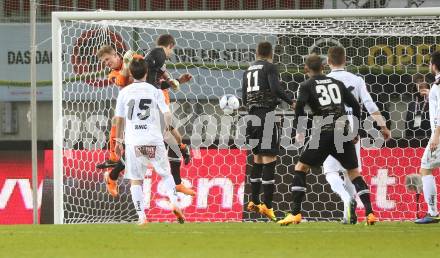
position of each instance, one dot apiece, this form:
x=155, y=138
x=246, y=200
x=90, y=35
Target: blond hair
x=105, y=49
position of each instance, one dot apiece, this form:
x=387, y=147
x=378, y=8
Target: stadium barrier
x=221, y=188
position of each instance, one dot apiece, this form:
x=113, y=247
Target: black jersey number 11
x=254, y=76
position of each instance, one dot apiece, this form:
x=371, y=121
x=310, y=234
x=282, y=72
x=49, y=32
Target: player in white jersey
x=431, y=156
x=331, y=167
x=138, y=122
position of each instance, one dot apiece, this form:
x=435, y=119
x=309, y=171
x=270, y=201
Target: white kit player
x=331, y=167
x=138, y=121
x=431, y=156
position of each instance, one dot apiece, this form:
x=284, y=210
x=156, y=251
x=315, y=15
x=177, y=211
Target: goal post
x=385, y=46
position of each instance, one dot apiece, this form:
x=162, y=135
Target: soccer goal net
x=387, y=47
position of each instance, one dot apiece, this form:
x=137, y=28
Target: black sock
x=175, y=171
x=114, y=174
x=298, y=190
x=364, y=193
x=269, y=182
x=255, y=179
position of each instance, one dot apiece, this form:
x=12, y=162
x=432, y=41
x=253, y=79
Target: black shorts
x=314, y=157
x=268, y=138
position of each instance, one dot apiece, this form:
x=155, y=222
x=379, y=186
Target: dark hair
x=435, y=59
x=314, y=63
x=264, y=49
x=336, y=55
x=165, y=40
x=138, y=68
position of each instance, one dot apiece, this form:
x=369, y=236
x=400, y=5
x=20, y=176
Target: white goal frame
x=58, y=17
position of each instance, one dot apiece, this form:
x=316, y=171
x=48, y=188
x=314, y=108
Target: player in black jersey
x=326, y=97
x=160, y=78
x=261, y=95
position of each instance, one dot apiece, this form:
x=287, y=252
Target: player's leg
x=298, y=190
x=263, y=173
x=162, y=167
x=331, y=169
x=113, y=159
x=137, y=196
x=184, y=149
x=175, y=163
x=350, y=187
x=269, y=155
x=349, y=160
x=111, y=179
x=364, y=194
x=311, y=157
x=429, y=161
x=254, y=133
x=255, y=180
x=135, y=172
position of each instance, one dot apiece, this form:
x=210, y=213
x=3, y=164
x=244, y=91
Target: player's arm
x=373, y=110
x=244, y=90
x=164, y=108
x=275, y=86
x=435, y=139
x=301, y=101
x=119, y=124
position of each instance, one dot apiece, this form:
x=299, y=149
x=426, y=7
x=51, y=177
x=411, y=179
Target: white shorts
x=138, y=158
x=332, y=165
x=430, y=160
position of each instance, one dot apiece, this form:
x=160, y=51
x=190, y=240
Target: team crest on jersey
x=148, y=151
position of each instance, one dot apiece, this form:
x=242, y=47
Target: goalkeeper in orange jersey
x=120, y=76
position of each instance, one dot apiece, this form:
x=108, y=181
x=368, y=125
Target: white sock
x=338, y=186
x=349, y=186
x=170, y=187
x=137, y=197
x=430, y=194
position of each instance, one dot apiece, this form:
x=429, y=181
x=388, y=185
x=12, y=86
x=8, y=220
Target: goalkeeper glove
x=175, y=84
x=128, y=57
x=169, y=83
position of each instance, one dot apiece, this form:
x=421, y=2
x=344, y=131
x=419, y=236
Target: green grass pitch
x=225, y=240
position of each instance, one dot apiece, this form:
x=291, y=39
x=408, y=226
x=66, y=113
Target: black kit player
x=327, y=98
x=261, y=95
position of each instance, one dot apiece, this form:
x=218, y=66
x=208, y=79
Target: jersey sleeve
x=163, y=107
x=301, y=101
x=156, y=61
x=275, y=86
x=120, y=106
x=118, y=79
x=244, y=90
x=436, y=112
x=365, y=97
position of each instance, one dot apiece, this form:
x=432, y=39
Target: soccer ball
x=229, y=103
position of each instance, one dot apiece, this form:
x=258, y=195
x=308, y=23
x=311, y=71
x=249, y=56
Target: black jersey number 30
x=329, y=94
